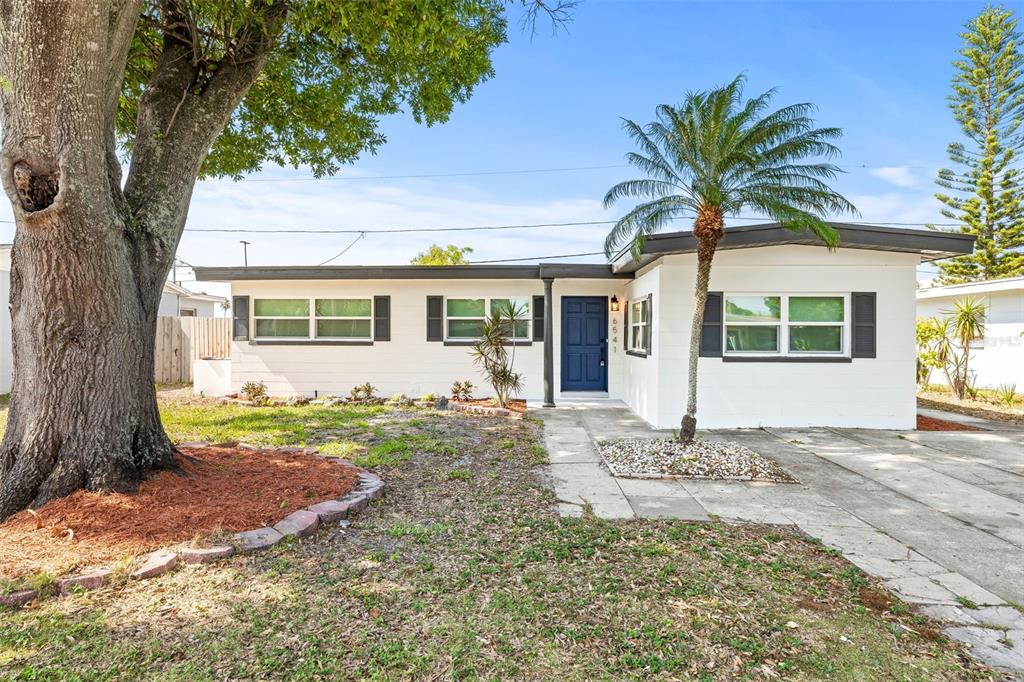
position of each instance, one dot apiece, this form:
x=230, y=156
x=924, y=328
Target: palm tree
x=713, y=156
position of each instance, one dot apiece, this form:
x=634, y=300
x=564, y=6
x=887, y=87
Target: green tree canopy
x=984, y=194
x=443, y=255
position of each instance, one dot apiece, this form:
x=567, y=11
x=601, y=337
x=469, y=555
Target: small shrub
x=1007, y=394
x=297, y=401
x=462, y=390
x=428, y=397
x=399, y=399
x=254, y=391
x=363, y=393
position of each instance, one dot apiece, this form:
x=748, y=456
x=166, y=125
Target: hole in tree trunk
x=36, y=191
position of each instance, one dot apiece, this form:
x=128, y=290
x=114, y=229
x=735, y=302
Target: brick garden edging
x=300, y=523
x=484, y=410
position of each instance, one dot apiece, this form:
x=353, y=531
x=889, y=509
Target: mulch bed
x=932, y=424
x=224, y=489
x=516, y=405
x=971, y=408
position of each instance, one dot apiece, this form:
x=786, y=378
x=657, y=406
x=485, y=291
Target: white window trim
x=784, y=324
x=527, y=316
x=311, y=319
x=644, y=325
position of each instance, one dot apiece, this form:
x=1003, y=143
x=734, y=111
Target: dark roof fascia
x=931, y=245
x=424, y=272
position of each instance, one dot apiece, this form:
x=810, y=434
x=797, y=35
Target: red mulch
x=514, y=405
x=932, y=424
x=226, y=489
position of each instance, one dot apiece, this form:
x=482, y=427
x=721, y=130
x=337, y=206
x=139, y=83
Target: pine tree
x=985, y=193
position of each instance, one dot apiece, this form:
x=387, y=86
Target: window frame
x=311, y=319
x=518, y=340
x=644, y=326
x=784, y=324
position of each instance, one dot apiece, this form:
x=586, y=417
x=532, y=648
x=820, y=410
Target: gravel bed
x=716, y=460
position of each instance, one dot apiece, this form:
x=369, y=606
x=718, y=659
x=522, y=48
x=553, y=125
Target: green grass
x=464, y=571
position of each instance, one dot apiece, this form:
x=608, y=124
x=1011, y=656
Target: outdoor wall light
x=615, y=304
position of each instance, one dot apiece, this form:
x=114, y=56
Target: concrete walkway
x=939, y=516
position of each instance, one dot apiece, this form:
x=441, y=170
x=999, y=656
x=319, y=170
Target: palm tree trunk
x=708, y=230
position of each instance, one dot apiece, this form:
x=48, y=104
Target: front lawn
x=464, y=570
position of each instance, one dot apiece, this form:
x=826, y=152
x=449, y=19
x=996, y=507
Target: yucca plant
x=965, y=322
x=713, y=156
x=491, y=351
x=1007, y=394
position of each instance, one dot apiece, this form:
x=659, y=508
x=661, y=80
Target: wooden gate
x=180, y=341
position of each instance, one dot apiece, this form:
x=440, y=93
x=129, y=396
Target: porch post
x=549, y=345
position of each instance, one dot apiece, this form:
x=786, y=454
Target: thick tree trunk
x=83, y=305
x=89, y=258
x=708, y=230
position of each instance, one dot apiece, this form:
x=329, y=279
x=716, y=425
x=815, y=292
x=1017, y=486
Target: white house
x=998, y=357
x=175, y=301
x=794, y=334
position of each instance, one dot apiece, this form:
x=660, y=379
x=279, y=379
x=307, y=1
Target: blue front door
x=584, y=343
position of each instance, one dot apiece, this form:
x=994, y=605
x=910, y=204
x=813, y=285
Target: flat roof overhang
x=411, y=272
x=929, y=244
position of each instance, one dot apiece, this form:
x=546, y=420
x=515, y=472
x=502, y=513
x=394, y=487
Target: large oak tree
x=169, y=91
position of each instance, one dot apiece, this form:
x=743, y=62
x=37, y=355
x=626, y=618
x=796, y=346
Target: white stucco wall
x=408, y=363
x=867, y=392
x=998, y=358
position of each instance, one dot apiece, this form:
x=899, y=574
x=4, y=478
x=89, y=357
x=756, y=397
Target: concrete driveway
x=939, y=516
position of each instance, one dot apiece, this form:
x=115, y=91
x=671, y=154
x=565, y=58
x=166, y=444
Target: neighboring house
x=998, y=357
x=177, y=301
x=794, y=334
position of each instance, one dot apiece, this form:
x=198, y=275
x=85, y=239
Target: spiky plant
x=965, y=322
x=713, y=156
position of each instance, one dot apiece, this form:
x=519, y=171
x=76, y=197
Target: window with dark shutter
x=711, y=331
x=864, y=324
x=649, y=317
x=240, y=315
x=435, y=318
x=381, y=318
x=538, y=318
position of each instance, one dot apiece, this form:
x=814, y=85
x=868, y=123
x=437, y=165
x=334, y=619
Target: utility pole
x=245, y=251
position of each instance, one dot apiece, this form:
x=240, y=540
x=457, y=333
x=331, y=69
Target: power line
x=465, y=174
x=343, y=251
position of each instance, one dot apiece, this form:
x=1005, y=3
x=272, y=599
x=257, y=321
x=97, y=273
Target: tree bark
x=709, y=228
x=89, y=260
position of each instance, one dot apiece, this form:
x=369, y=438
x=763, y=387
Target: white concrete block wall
x=998, y=358
x=408, y=363
x=642, y=376
x=867, y=392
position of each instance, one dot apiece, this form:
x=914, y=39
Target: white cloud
x=901, y=176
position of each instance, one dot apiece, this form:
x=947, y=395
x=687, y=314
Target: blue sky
x=878, y=70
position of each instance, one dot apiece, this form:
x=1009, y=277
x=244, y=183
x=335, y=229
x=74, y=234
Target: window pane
x=344, y=307
x=282, y=328
x=639, y=312
x=500, y=305
x=465, y=329
x=815, y=339
x=343, y=329
x=465, y=307
x=815, y=308
x=752, y=339
x=636, y=342
x=752, y=308
x=281, y=307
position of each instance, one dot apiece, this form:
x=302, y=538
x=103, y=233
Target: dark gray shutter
x=538, y=318
x=240, y=315
x=435, y=318
x=711, y=332
x=625, y=325
x=865, y=324
x=381, y=318
x=650, y=324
